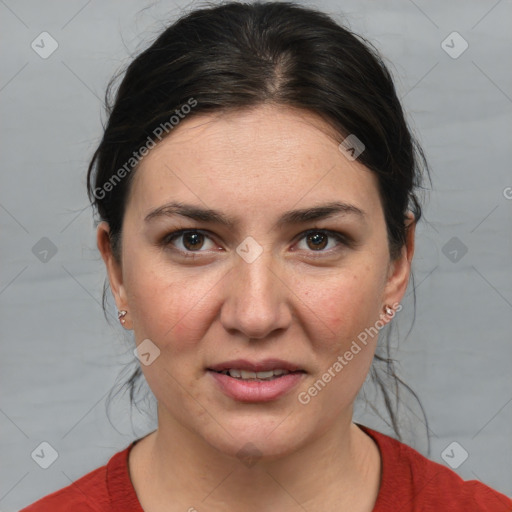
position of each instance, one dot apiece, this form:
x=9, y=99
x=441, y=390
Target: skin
x=293, y=302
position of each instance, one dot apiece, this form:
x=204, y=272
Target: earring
x=388, y=310
x=121, y=316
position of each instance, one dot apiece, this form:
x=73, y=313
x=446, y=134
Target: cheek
x=344, y=304
x=348, y=306
x=169, y=306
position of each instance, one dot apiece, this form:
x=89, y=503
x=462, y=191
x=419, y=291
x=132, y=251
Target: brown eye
x=318, y=240
x=191, y=240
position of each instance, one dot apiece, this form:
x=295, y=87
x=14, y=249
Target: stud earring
x=121, y=316
x=388, y=310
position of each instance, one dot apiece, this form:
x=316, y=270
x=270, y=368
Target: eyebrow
x=300, y=216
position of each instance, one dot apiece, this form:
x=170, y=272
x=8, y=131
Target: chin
x=258, y=439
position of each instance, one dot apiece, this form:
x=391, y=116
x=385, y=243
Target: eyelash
x=343, y=239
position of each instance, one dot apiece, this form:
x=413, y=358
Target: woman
x=256, y=188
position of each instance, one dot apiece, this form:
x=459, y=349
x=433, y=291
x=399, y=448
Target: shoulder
x=84, y=495
x=90, y=493
x=412, y=482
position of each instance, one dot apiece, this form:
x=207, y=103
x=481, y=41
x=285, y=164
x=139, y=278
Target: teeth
x=246, y=375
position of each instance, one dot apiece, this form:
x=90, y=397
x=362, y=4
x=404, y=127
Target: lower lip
x=256, y=391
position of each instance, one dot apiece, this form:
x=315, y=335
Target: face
x=264, y=287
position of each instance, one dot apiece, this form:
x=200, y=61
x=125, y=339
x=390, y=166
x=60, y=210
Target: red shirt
x=410, y=483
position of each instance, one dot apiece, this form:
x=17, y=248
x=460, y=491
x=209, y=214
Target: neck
x=339, y=470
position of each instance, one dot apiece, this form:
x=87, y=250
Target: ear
x=400, y=269
x=114, y=269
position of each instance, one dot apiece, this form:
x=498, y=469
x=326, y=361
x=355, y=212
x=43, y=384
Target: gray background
x=60, y=357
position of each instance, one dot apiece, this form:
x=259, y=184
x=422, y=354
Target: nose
x=256, y=301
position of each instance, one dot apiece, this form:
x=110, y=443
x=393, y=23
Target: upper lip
x=256, y=366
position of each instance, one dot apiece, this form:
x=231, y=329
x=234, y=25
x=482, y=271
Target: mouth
x=256, y=376
x=263, y=381
x=267, y=369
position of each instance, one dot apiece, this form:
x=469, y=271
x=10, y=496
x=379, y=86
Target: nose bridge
x=256, y=272
x=255, y=303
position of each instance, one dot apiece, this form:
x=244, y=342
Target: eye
x=192, y=240
x=317, y=239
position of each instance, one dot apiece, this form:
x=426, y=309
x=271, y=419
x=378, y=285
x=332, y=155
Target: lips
x=266, y=365
x=256, y=381
x=244, y=374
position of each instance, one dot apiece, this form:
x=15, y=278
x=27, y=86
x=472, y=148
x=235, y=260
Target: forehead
x=269, y=158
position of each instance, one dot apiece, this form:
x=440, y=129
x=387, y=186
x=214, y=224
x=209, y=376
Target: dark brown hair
x=240, y=55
